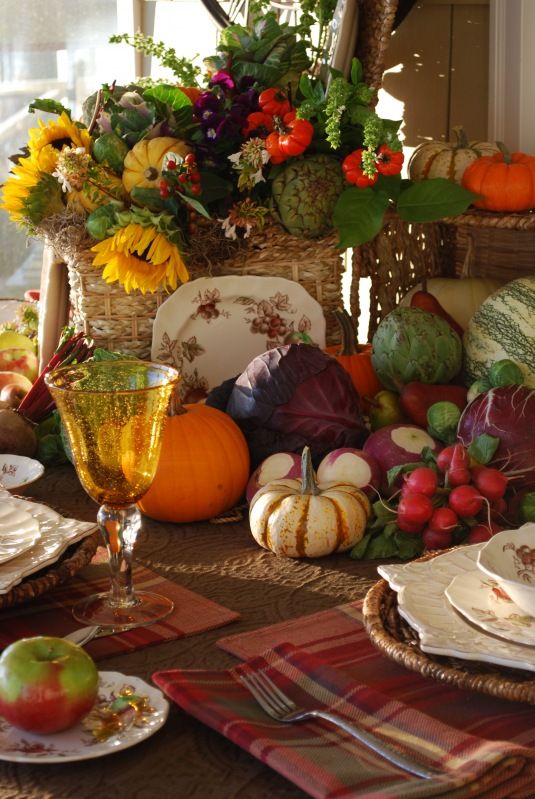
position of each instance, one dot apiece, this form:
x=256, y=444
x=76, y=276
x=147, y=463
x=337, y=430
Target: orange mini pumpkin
x=355, y=358
x=506, y=181
x=203, y=467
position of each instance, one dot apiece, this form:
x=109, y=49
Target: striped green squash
x=503, y=327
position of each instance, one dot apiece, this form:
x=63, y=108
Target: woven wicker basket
x=116, y=320
x=476, y=243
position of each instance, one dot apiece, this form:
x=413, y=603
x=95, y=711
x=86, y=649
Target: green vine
x=185, y=72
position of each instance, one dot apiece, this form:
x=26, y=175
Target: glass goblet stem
x=119, y=528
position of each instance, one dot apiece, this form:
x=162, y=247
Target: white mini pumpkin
x=300, y=518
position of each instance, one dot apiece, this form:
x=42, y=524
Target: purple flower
x=223, y=79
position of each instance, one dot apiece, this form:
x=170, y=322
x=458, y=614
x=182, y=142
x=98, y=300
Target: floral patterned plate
x=422, y=602
x=127, y=711
x=212, y=327
x=19, y=531
x=57, y=533
x=481, y=600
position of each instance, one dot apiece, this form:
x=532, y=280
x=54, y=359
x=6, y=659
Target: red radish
x=443, y=520
x=482, y=532
x=275, y=467
x=465, y=500
x=409, y=527
x=353, y=466
x=458, y=472
x=422, y=480
x=414, y=509
x=444, y=458
x=437, y=539
x=492, y=483
x=498, y=508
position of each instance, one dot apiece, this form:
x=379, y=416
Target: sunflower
x=30, y=194
x=140, y=257
x=46, y=141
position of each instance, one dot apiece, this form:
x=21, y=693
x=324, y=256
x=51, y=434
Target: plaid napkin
x=326, y=762
x=52, y=614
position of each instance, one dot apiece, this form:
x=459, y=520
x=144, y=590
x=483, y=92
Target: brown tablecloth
x=185, y=759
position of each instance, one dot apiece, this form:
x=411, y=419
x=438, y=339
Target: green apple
x=47, y=684
x=385, y=409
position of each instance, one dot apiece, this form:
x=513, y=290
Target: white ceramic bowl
x=509, y=558
x=17, y=471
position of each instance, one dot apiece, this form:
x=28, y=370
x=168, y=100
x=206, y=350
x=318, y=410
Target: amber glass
x=113, y=413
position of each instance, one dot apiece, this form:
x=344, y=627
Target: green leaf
x=356, y=71
x=199, y=207
x=149, y=197
x=483, y=448
x=408, y=546
x=359, y=550
x=430, y=200
x=214, y=187
x=169, y=95
x=358, y=216
x=49, y=106
x=383, y=545
x=305, y=86
x=393, y=473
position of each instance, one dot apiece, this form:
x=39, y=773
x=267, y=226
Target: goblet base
x=148, y=608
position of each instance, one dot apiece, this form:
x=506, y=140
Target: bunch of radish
x=456, y=501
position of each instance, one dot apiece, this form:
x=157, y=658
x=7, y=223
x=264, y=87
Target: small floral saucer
x=127, y=711
x=481, y=600
x=17, y=471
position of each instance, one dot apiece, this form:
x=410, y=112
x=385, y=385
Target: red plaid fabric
x=52, y=613
x=326, y=762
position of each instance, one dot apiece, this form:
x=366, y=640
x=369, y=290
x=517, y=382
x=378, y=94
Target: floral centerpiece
x=260, y=138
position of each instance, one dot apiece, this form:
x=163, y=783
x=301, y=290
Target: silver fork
x=280, y=707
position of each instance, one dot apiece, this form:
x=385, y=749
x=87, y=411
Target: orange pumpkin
x=203, y=467
x=355, y=358
x=505, y=180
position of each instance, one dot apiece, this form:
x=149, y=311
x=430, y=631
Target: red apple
x=275, y=467
x=16, y=378
x=23, y=361
x=47, y=684
x=353, y=466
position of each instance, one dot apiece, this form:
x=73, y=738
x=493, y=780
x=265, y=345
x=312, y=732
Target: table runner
x=51, y=614
x=329, y=764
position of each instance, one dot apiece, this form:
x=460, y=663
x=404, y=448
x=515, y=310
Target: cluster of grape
x=457, y=501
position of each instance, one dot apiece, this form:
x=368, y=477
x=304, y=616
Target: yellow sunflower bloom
x=22, y=179
x=57, y=134
x=140, y=257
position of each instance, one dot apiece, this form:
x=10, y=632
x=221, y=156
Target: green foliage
x=186, y=72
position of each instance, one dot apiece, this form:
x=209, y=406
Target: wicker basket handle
x=466, y=268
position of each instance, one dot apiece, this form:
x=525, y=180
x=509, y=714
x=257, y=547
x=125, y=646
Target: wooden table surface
x=185, y=759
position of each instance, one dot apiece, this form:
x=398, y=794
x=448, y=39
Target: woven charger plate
x=397, y=640
x=70, y=563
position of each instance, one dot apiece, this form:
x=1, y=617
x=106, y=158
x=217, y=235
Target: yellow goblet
x=113, y=413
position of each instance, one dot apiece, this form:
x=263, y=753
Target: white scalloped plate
x=422, y=602
x=77, y=743
x=481, y=600
x=211, y=328
x=57, y=533
x=19, y=531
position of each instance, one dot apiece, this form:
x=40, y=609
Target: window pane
x=58, y=49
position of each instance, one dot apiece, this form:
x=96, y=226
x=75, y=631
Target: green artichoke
x=414, y=345
x=304, y=195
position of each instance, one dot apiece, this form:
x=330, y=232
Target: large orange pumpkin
x=355, y=358
x=505, y=180
x=203, y=467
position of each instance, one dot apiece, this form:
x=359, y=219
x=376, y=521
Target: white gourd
x=300, y=518
x=503, y=327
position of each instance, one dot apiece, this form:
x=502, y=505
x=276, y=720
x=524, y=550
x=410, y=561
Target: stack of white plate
x=32, y=536
x=460, y=612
